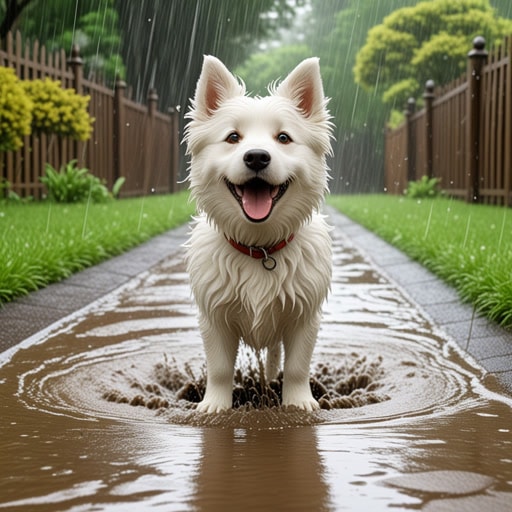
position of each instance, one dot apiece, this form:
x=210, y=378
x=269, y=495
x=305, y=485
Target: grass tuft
x=41, y=243
x=468, y=246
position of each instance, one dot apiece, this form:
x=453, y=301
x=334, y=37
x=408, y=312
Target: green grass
x=468, y=246
x=44, y=242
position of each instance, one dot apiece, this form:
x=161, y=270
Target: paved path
x=490, y=345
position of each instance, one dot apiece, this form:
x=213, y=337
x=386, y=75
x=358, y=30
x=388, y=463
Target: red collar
x=261, y=253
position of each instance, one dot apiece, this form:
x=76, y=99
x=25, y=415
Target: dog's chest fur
x=249, y=301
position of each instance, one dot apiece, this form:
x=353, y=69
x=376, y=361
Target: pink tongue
x=257, y=202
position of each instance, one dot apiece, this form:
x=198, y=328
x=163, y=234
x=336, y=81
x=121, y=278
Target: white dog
x=259, y=256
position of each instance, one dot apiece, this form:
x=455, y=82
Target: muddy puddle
x=97, y=413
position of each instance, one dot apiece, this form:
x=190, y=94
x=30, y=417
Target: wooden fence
x=463, y=135
x=130, y=140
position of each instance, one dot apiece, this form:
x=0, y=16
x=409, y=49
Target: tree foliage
x=98, y=36
x=334, y=31
x=427, y=41
x=168, y=38
x=263, y=68
x=154, y=43
x=92, y=24
x=10, y=10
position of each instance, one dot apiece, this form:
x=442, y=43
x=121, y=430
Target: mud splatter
x=355, y=383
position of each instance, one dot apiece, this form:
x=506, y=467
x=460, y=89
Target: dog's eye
x=233, y=138
x=284, y=138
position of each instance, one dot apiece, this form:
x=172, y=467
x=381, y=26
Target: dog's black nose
x=257, y=159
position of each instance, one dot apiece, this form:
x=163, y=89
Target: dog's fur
x=288, y=134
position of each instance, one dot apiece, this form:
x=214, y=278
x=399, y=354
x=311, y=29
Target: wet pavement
x=486, y=342
x=482, y=339
x=97, y=414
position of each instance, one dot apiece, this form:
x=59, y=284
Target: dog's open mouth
x=257, y=197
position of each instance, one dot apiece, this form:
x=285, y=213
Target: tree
x=335, y=31
x=92, y=24
x=263, y=68
x=97, y=34
x=9, y=13
x=427, y=41
x=168, y=38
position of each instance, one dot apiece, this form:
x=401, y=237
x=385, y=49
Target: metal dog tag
x=269, y=263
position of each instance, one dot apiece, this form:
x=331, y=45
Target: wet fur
x=238, y=299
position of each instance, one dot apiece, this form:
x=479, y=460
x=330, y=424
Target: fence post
x=76, y=64
x=411, y=142
x=119, y=128
x=476, y=60
x=152, y=100
x=428, y=96
x=175, y=150
x=508, y=127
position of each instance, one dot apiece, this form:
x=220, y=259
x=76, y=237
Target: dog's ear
x=304, y=87
x=215, y=85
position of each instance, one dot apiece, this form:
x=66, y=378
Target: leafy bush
x=425, y=187
x=406, y=88
x=116, y=188
x=396, y=118
x=15, y=111
x=57, y=110
x=6, y=192
x=73, y=185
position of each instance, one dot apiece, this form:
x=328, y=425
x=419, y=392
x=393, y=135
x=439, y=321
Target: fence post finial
x=152, y=101
x=75, y=56
x=411, y=106
x=476, y=60
x=119, y=83
x=478, y=47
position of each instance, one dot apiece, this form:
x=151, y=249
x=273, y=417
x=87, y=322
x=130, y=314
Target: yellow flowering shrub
x=57, y=110
x=15, y=111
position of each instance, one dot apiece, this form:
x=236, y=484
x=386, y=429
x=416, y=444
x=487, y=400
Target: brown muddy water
x=97, y=413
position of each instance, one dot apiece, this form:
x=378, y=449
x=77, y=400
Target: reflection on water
x=440, y=440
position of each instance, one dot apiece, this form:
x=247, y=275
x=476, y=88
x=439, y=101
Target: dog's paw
x=304, y=402
x=210, y=406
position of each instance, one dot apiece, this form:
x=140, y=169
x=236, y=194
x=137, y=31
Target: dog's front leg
x=221, y=349
x=273, y=362
x=299, y=343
